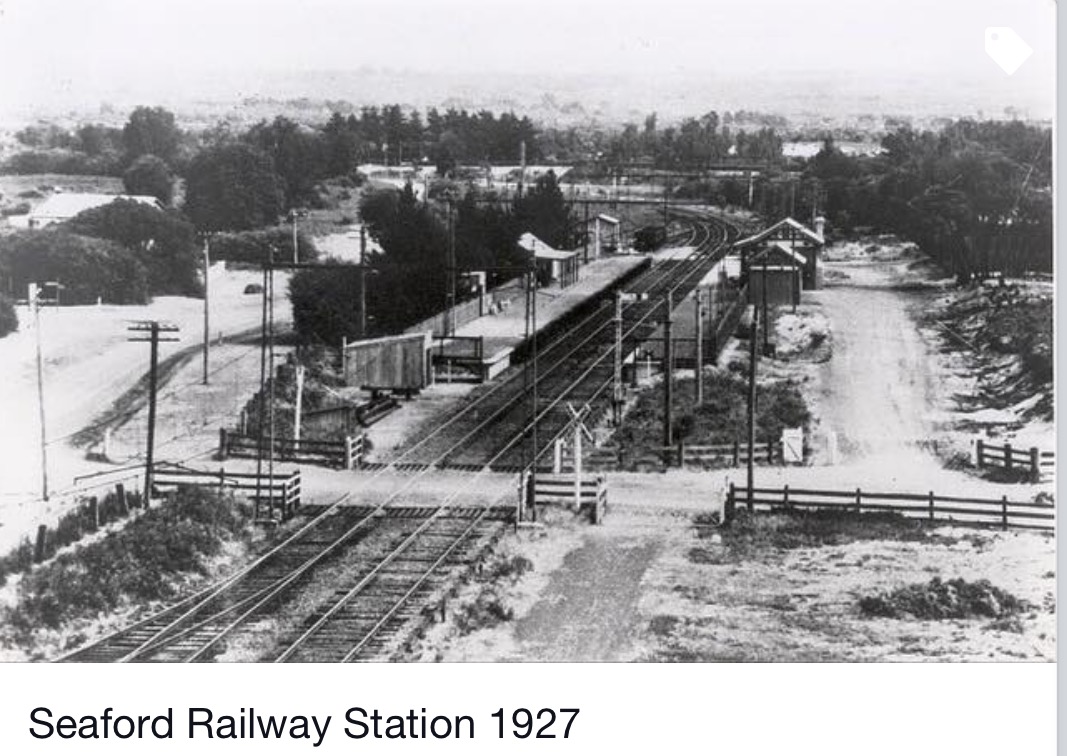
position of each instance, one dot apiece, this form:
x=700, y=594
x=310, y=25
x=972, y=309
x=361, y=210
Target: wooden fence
x=704, y=456
x=1039, y=465
x=346, y=454
x=589, y=494
x=271, y=493
x=929, y=506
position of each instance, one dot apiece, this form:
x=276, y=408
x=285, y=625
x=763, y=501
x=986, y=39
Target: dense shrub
x=149, y=175
x=9, y=321
x=163, y=241
x=949, y=599
x=254, y=247
x=88, y=268
x=62, y=161
x=139, y=563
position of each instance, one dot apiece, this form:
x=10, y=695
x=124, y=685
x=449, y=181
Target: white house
x=63, y=206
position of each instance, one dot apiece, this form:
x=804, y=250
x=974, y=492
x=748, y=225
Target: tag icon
x=1007, y=49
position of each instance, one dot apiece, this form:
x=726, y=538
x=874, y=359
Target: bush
x=9, y=321
x=938, y=600
x=163, y=241
x=88, y=268
x=139, y=563
x=149, y=175
x=254, y=247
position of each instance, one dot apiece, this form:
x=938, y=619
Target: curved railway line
x=399, y=558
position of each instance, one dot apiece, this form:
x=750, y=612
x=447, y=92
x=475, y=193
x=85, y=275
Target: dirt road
x=879, y=392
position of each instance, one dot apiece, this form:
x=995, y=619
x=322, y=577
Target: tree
x=298, y=155
x=87, y=268
x=164, y=242
x=232, y=187
x=151, y=131
x=151, y=176
x=543, y=211
x=9, y=320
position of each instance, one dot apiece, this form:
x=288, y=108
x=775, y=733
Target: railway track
x=577, y=368
x=395, y=559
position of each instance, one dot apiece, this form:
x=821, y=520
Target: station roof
x=608, y=219
x=784, y=225
x=542, y=251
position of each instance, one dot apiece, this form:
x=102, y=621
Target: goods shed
x=793, y=236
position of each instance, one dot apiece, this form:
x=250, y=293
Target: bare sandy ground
x=88, y=363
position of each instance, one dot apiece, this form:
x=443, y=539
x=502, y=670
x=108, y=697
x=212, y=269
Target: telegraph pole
x=668, y=374
x=533, y=329
x=33, y=299
x=207, y=308
x=362, y=281
x=617, y=395
x=450, y=314
x=700, y=346
x=153, y=328
x=752, y=359
x=766, y=320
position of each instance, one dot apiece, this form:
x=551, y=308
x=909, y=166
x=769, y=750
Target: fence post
x=222, y=479
x=770, y=452
x=1007, y=455
x=980, y=452
x=681, y=453
x=1035, y=464
x=94, y=512
x=930, y=507
x=728, y=510
x=223, y=449
x=348, y=453
x=557, y=456
x=785, y=495
x=859, y=502
x=1004, y=512
x=737, y=454
x=38, y=551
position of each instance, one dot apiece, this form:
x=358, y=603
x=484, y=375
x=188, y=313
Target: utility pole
x=536, y=403
x=207, y=308
x=585, y=237
x=450, y=313
x=262, y=414
x=362, y=281
x=33, y=299
x=153, y=328
x=617, y=394
x=668, y=374
x=752, y=359
x=766, y=320
x=293, y=215
x=699, y=346
x=298, y=410
x=522, y=167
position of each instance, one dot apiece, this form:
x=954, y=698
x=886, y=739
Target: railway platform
x=502, y=333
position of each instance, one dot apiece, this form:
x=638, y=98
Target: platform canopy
x=786, y=229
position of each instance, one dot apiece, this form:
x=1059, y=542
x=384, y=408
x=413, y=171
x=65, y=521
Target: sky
x=51, y=49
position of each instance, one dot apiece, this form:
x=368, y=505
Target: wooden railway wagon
x=393, y=363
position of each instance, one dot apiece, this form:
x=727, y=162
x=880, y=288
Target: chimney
x=820, y=226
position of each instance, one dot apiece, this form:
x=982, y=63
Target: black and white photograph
x=547, y=331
